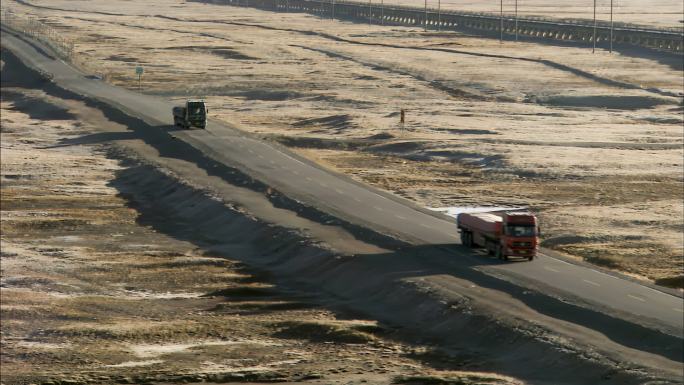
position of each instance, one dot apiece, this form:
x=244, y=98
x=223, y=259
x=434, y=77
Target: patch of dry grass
x=335, y=331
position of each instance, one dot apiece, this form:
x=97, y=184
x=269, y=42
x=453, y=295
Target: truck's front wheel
x=467, y=239
x=499, y=253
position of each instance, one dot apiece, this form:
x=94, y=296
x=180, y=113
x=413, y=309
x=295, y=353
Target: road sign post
x=139, y=71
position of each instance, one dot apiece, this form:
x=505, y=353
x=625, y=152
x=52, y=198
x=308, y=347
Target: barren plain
x=592, y=142
x=101, y=284
x=94, y=291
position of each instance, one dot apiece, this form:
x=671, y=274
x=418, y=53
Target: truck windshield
x=195, y=108
x=521, y=231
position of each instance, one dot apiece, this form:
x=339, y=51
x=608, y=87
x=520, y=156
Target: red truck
x=513, y=234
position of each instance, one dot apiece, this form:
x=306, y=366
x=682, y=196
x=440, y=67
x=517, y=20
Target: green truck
x=194, y=114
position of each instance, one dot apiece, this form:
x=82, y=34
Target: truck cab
x=520, y=234
x=194, y=114
x=514, y=234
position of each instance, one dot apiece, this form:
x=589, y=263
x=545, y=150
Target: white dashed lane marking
x=399, y=217
x=551, y=269
x=591, y=282
x=636, y=298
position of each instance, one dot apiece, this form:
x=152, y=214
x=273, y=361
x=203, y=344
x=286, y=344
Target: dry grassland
x=90, y=295
x=593, y=143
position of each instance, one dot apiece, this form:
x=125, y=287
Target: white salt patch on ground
x=212, y=367
x=67, y=238
x=155, y=350
x=129, y=364
x=158, y=350
x=42, y=345
x=167, y=295
x=455, y=210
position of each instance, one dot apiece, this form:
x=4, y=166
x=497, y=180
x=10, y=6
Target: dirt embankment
x=95, y=291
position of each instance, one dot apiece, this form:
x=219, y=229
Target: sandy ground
x=91, y=293
x=593, y=143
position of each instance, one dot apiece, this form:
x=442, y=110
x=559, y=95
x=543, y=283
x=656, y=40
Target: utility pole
x=332, y=10
x=611, y=26
x=425, y=22
x=593, y=48
x=439, y=15
x=382, y=12
x=516, y=20
x=370, y=11
x=501, y=24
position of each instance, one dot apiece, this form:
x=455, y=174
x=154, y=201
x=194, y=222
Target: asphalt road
x=360, y=204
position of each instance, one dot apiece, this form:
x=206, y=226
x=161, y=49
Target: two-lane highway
x=360, y=204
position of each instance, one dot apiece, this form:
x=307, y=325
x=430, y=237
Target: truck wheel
x=499, y=253
x=469, y=239
x=530, y=258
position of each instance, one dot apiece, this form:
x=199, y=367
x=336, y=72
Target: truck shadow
x=459, y=262
x=97, y=138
